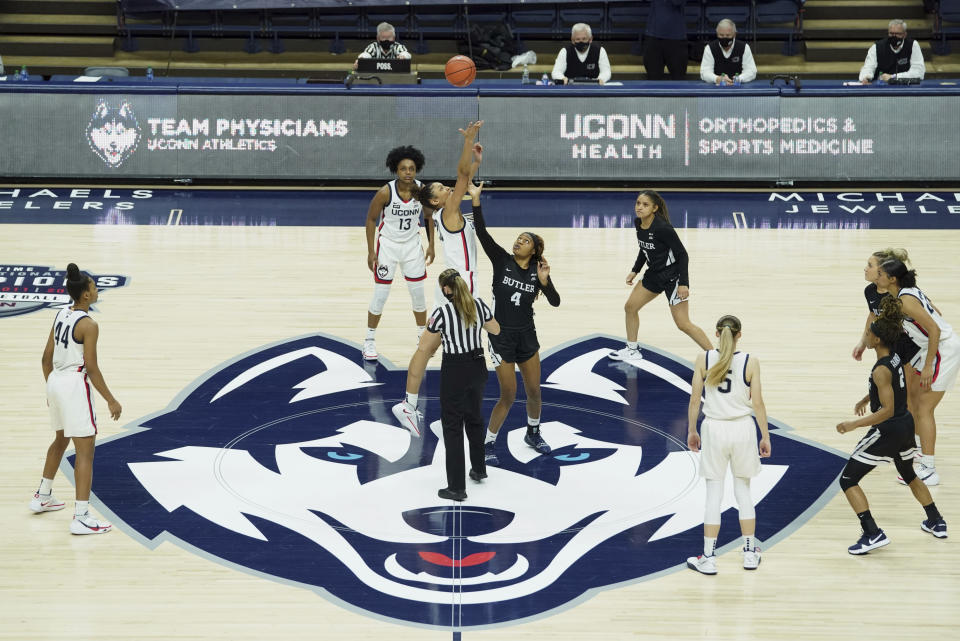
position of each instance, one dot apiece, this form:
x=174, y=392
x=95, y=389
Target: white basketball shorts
x=732, y=442
x=70, y=399
x=409, y=256
x=946, y=365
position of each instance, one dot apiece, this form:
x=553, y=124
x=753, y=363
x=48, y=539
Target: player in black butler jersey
x=666, y=260
x=518, y=279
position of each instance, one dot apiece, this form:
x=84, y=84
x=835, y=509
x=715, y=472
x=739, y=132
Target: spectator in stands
x=386, y=45
x=727, y=58
x=1, y=65
x=895, y=56
x=581, y=58
x=666, y=40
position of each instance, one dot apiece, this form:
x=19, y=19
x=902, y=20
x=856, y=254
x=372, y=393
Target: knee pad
x=852, y=473
x=380, y=294
x=905, y=469
x=417, y=296
x=711, y=513
x=741, y=491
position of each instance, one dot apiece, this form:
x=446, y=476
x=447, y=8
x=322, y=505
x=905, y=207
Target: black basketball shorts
x=665, y=281
x=890, y=440
x=514, y=346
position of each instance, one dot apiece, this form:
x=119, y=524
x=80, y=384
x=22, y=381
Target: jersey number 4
x=516, y=299
x=57, y=338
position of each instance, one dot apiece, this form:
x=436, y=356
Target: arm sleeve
x=560, y=66
x=604, y=64
x=869, y=65
x=494, y=252
x=917, y=68
x=550, y=292
x=749, y=66
x=706, y=67
x=639, y=263
x=668, y=235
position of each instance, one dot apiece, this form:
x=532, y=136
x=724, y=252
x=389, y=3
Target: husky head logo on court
x=287, y=461
x=113, y=132
x=29, y=288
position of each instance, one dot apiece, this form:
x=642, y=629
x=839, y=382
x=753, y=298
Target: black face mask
x=581, y=46
x=448, y=296
x=895, y=41
x=385, y=44
x=725, y=42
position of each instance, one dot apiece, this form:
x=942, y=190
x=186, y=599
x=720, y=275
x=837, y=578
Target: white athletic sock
x=370, y=332
x=927, y=460
x=81, y=508
x=46, y=486
x=491, y=437
x=420, y=329
x=412, y=399
x=749, y=542
x=533, y=422
x=709, y=545
x=633, y=344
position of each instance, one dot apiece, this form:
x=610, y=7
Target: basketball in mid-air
x=460, y=71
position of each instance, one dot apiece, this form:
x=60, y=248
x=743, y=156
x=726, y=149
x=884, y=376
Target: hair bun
x=73, y=272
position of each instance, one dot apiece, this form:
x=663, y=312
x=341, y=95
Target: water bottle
x=149, y=73
x=545, y=80
x=23, y=73
x=736, y=80
x=525, y=78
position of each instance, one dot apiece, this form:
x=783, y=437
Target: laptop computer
x=383, y=65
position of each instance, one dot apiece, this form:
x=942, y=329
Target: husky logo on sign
x=113, y=132
x=287, y=461
x=26, y=288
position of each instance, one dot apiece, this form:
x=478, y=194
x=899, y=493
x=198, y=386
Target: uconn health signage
x=338, y=134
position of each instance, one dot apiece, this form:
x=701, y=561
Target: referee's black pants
x=462, y=379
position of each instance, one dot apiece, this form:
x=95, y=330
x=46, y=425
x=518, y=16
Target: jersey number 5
x=727, y=383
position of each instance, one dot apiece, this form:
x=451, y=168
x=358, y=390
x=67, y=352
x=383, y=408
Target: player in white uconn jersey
x=730, y=382
x=937, y=360
x=458, y=237
x=393, y=239
x=69, y=367
x=457, y=233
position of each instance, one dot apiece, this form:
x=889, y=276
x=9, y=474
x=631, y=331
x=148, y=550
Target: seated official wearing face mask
x=386, y=45
x=727, y=60
x=582, y=58
x=895, y=57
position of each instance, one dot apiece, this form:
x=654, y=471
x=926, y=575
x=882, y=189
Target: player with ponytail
x=70, y=366
x=730, y=383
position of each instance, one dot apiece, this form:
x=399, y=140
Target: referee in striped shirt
x=463, y=375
